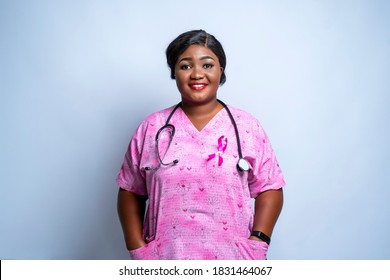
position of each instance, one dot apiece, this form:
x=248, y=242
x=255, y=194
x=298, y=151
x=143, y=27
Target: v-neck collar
x=190, y=127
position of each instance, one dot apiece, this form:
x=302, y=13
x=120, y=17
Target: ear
x=221, y=70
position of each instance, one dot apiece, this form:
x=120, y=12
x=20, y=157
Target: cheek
x=180, y=83
x=216, y=77
x=180, y=80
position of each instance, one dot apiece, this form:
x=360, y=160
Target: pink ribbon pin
x=222, y=144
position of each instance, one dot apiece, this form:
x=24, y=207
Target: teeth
x=197, y=86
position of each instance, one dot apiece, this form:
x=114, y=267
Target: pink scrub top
x=202, y=207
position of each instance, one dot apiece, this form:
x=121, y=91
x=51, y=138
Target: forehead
x=197, y=52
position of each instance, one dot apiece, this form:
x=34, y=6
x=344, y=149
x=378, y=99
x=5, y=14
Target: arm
x=131, y=210
x=268, y=206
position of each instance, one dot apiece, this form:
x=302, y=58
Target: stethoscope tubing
x=235, y=128
x=242, y=164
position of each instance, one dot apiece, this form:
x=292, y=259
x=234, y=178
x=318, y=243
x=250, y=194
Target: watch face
x=243, y=165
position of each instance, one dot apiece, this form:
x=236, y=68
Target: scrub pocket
x=253, y=250
x=146, y=252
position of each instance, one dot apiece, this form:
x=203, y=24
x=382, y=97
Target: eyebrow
x=202, y=58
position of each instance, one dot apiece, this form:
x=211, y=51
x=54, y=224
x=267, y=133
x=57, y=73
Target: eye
x=208, y=66
x=185, y=67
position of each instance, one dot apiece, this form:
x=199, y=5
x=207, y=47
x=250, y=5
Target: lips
x=198, y=86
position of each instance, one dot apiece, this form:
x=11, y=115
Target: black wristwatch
x=262, y=236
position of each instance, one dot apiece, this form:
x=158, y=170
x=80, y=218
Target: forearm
x=131, y=210
x=268, y=206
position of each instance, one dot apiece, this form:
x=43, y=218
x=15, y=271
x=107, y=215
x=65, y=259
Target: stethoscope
x=242, y=164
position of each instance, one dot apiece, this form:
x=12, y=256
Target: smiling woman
x=198, y=74
x=200, y=196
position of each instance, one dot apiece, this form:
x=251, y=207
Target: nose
x=197, y=73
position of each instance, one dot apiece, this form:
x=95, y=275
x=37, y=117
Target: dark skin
x=198, y=75
x=201, y=115
x=131, y=210
x=268, y=206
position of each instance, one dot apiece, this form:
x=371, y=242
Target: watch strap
x=262, y=236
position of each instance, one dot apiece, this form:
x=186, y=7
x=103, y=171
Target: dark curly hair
x=195, y=37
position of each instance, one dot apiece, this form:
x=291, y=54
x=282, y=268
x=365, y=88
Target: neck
x=196, y=111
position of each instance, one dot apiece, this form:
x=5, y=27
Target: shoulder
x=159, y=116
x=240, y=112
x=246, y=121
x=152, y=121
x=242, y=116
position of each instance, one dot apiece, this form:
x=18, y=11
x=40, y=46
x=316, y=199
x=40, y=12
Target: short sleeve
x=130, y=176
x=266, y=173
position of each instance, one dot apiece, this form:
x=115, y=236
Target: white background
x=77, y=77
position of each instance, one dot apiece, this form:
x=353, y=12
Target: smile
x=198, y=86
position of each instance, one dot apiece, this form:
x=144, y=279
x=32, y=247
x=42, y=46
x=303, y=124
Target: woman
x=197, y=179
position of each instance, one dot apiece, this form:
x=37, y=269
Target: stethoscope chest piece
x=243, y=165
